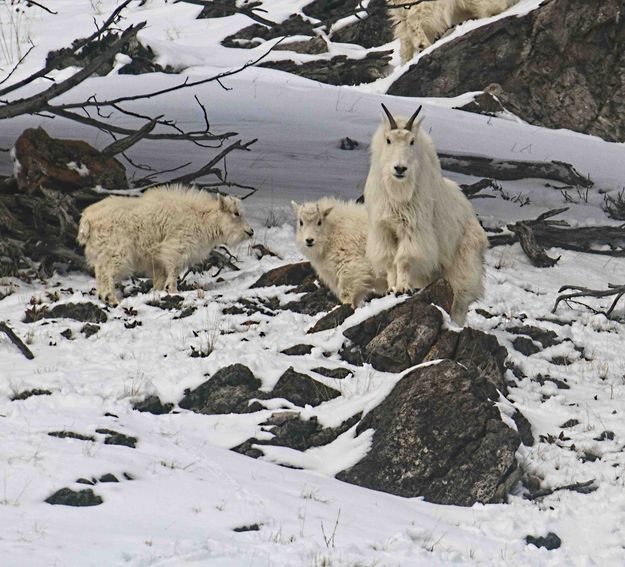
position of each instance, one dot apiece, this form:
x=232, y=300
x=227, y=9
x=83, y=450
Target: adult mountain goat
x=332, y=234
x=165, y=230
x=420, y=25
x=421, y=226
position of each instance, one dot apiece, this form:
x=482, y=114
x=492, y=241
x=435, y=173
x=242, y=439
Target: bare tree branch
x=248, y=11
x=122, y=145
x=616, y=290
x=38, y=101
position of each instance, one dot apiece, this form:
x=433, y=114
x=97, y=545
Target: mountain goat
x=421, y=226
x=165, y=230
x=332, y=234
x=420, y=25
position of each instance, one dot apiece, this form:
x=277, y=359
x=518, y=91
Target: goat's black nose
x=400, y=169
x=310, y=241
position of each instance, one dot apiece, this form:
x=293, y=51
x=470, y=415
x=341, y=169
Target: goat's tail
x=84, y=230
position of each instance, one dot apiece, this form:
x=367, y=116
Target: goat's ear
x=222, y=202
x=325, y=211
x=295, y=207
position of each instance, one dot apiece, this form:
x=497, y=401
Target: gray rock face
x=560, y=66
x=437, y=436
x=228, y=391
x=302, y=390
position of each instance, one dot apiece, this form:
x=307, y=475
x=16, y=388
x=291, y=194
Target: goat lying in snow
x=420, y=25
x=421, y=226
x=332, y=234
x=165, y=230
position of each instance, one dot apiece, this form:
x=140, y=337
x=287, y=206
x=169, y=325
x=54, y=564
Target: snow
x=189, y=491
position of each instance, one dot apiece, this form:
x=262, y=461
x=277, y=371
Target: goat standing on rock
x=421, y=226
x=165, y=230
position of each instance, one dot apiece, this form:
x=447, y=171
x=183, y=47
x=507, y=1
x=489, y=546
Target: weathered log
x=16, y=340
x=605, y=240
x=532, y=249
x=510, y=170
x=618, y=291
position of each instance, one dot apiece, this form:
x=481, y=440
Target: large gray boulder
x=437, y=435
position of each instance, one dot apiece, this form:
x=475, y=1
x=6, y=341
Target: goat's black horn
x=411, y=119
x=391, y=120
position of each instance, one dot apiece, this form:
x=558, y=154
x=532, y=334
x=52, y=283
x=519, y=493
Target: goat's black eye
x=301, y=223
x=318, y=223
x=237, y=214
x=388, y=141
x=412, y=142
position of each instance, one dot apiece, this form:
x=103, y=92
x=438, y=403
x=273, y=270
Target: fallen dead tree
x=511, y=170
x=618, y=291
x=542, y=232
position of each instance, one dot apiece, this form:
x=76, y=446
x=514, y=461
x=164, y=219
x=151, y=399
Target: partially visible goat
x=420, y=25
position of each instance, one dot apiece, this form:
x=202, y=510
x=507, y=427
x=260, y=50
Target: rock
x=525, y=346
x=71, y=435
x=336, y=373
x=298, y=350
x=85, y=312
x=482, y=354
x=333, y=319
x=250, y=528
x=218, y=9
x=397, y=338
x=108, y=477
x=339, y=70
x=117, y=438
x=372, y=31
x=167, y=302
x=550, y=541
x=290, y=274
x=312, y=46
x=302, y=390
x=295, y=433
x=437, y=437
x=25, y=394
x=142, y=57
x=545, y=337
x=89, y=329
x=153, y=404
x=317, y=301
x=69, y=497
x=484, y=103
x=329, y=11
x=558, y=66
x=63, y=165
x=228, y=391
x=524, y=428
x=256, y=34
x=569, y=423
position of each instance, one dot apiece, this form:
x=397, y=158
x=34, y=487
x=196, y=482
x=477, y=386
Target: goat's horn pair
x=392, y=122
x=411, y=119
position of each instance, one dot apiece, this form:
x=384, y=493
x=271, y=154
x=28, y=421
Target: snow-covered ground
x=188, y=491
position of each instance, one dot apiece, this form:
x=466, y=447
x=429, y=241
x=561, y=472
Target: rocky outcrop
x=64, y=165
x=559, y=66
x=438, y=436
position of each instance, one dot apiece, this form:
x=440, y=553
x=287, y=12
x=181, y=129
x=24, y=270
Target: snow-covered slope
x=188, y=491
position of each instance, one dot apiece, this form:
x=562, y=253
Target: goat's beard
x=399, y=189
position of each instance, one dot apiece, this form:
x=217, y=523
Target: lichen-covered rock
x=228, y=391
x=439, y=437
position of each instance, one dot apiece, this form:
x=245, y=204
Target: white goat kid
x=332, y=234
x=420, y=25
x=165, y=230
x=421, y=226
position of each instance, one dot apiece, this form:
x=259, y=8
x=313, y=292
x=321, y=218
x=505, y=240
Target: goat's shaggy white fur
x=421, y=226
x=332, y=234
x=419, y=26
x=165, y=230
